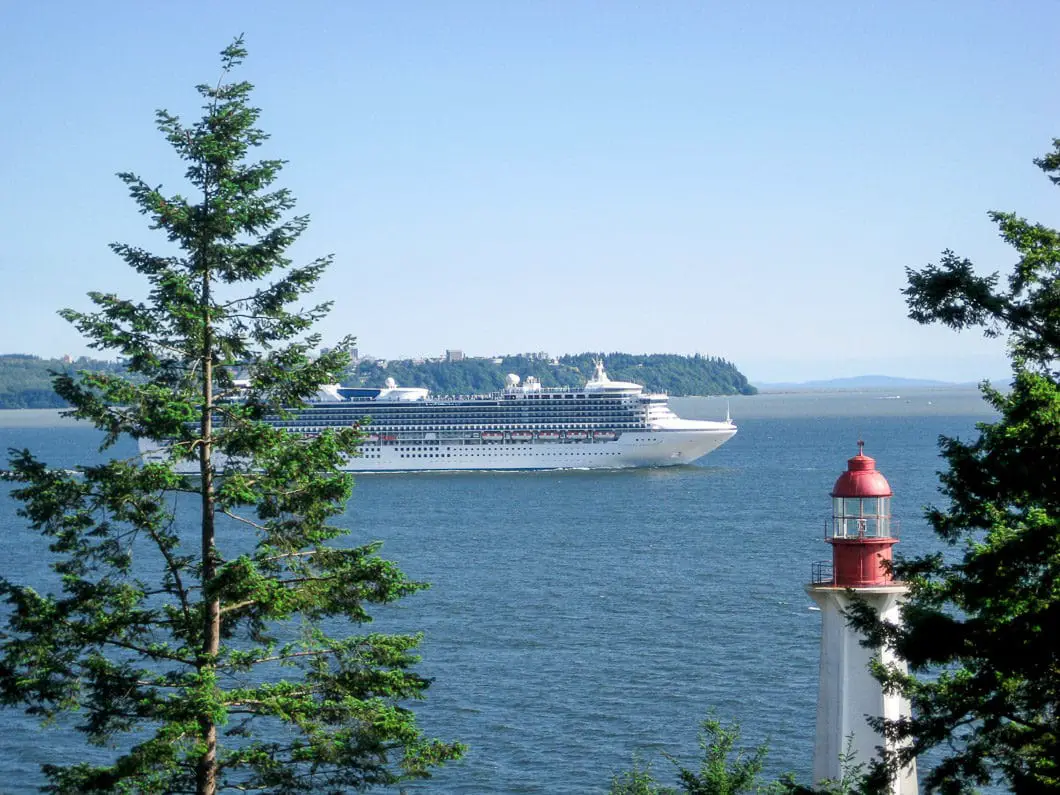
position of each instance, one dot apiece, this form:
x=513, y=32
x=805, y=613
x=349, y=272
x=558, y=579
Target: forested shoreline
x=657, y=372
x=26, y=381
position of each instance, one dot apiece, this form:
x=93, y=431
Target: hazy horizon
x=758, y=382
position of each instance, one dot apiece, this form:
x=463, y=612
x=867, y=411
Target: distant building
x=354, y=355
x=453, y=355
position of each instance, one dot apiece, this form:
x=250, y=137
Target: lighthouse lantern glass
x=861, y=517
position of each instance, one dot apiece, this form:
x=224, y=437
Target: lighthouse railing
x=822, y=573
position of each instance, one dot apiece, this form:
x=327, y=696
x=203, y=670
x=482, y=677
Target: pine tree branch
x=174, y=571
x=292, y=656
x=245, y=520
x=288, y=555
x=143, y=651
x=238, y=606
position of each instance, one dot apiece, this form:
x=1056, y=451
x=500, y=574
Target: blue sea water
x=576, y=618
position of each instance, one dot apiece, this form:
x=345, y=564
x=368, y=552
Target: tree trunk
x=206, y=774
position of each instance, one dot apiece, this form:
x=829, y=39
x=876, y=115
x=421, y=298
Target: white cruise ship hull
x=640, y=449
x=630, y=450
x=603, y=425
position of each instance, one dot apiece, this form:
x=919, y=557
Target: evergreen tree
x=726, y=768
x=981, y=629
x=227, y=660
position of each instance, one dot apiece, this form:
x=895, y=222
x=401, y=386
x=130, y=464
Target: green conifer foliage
x=231, y=659
x=981, y=628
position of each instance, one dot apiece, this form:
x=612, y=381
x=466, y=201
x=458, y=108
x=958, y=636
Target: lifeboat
x=604, y=436
x=548, y=436
x=522, y=436
x=577, y=434
x=372, y=437
x=492, y=436
x=389, y=438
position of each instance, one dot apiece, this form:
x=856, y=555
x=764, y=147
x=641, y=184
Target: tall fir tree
x=231, y=658
x=981, y=629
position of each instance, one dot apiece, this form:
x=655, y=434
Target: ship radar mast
x=600, y=375
x=600, y=382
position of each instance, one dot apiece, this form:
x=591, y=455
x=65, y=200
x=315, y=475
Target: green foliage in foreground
x=981, y=632
x=227, y=657
x=727, y=769
x=659, y=372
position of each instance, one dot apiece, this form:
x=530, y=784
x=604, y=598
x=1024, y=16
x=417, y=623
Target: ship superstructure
x=605, y=424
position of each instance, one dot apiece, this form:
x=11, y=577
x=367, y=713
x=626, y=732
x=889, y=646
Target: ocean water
x=576, y=618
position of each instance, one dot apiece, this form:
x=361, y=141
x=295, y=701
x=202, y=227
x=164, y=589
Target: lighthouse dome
x=861, y=479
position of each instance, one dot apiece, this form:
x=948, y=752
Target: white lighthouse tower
x=862, y=535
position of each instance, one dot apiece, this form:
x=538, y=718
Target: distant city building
x=453, y=355
x=354, y=356
x=68, y=359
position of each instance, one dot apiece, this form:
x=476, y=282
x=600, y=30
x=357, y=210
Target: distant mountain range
x=857, y=382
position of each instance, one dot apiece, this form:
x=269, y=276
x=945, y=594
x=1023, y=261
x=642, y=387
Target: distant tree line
x=657, y=372
x=26, y=381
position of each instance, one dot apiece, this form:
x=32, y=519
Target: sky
x=747, y=180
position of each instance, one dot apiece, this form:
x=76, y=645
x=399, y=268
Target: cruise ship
x=604, y=425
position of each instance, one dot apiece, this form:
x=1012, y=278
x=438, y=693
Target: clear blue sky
x=746, y=180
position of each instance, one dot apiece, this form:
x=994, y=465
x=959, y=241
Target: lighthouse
x=862, y=535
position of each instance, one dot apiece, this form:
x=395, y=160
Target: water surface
x=578, y=617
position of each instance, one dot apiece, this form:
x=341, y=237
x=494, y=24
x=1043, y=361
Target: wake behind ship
x=604, y=425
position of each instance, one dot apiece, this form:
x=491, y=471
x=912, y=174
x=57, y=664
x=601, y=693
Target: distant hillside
x=659, y=372
x=859, y=382
x=26, y=382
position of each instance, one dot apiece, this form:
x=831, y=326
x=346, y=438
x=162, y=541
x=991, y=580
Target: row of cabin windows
x=488, y=455
x=464, y=419
x=375, y=408
x=384, y=427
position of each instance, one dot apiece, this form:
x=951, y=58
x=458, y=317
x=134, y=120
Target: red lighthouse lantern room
x=862, y=535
